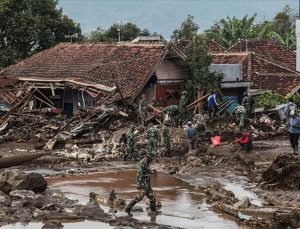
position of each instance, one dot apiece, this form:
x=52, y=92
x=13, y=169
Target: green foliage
x=128, y=32
x=229, y=30
x=186, y=33
x=29, y=26
x=269, y=100
x=199, y=61
x=295, y=99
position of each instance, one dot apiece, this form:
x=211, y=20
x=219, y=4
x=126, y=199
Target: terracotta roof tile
x=264, y=73
x=269, y=49
x=214, y=47
x=128, y=64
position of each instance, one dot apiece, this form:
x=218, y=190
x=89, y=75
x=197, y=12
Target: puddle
x=77, y=225
x=181, y=205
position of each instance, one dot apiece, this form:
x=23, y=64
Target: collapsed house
x=71, y=76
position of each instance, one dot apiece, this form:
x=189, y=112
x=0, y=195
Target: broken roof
x=128, y=64
x=268, y=64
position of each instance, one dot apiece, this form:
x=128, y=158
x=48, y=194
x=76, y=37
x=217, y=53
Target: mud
x=182, y=205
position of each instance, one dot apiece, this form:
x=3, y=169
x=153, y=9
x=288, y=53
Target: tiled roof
x=214, y=47
x=264, y=74
x=268, y=49
x=128, y=64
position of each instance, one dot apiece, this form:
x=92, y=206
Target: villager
x=153, y=139
x=245, y=141
x=143, y=109
x=166, y=139
x=144, y=185
x=212, y=104
x=291, y=106
x=191, y=135
x=123, y=143
x=248, y=103
x=294, y=131
x=183, y=113
x=240, y=112
x=173, y=112
x=131, y=147
x=200, y=124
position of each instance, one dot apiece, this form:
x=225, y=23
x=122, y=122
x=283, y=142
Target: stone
x=58, y=195
x=15, y=180
x=31, y=181
x=22, y=194
x=243, y=203
x=37, y=213
x=91, y=210
x=5, y=199
x=137, y=209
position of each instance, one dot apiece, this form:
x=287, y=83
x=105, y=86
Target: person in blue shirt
x=294, y=131
x=212, y=103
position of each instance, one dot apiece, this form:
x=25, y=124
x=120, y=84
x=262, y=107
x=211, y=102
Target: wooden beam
x=197, y=101
x=52, y=89
x=44, y=102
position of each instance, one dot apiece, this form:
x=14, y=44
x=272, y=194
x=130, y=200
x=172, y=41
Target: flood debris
x=283, y=173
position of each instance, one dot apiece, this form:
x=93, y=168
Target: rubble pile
x=283, y=173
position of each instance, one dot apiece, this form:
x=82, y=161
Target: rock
x=37, y=213
x=5, y=199
x=58, y=195
x=243, y=203
x=22, y=194
x=5, y=187
x=15, y=180
x=31, y=181
x=137, y=209
x=91, y=210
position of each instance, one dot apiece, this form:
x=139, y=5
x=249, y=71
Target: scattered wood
x=6, y=162
x=197, y=101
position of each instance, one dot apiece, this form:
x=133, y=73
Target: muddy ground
x=226, y=167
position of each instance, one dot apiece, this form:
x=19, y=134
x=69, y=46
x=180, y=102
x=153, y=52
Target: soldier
x=200, y=124
x=166, y=139
x=131, y=147
x=143, y=184
x=153, y=138
x=182, y=107
x=143, y=109
x=241, y=114
x=248, y=103
x=172, y=111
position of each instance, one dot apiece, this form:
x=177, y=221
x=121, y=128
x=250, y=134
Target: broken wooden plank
x=197, y=101
x=52, y=89
x=6, y=162
x=44, y=102
x=45, y=97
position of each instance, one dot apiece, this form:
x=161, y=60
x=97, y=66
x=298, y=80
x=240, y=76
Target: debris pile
x=283, y=173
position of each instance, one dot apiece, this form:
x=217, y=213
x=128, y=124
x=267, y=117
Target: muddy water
x=181, y=205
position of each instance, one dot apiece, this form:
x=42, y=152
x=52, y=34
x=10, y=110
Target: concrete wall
x=169, y=70
x=232, y=72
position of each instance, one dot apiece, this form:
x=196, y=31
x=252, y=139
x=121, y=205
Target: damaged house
x=255, y=65
x=69, y=76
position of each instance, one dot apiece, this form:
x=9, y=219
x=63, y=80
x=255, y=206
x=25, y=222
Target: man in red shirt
x=245, y=141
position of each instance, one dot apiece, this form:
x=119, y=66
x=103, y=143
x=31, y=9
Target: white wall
x=168, y=70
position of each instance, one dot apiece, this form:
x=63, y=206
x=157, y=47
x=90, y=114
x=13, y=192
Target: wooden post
x=124, y=102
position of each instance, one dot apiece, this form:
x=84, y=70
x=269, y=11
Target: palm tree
x=229, y=30
x=288, y=40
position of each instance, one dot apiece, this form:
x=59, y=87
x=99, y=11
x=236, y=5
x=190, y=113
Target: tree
x=283, y=28
x=229, y=30
x=29, y=26
x=186, y=33
x=199, y=61
x=127, y=32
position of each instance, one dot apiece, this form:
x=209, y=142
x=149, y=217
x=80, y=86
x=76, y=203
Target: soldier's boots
x=129, y=206
x=153, y=208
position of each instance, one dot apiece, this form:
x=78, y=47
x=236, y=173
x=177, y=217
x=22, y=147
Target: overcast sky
x=164, y=16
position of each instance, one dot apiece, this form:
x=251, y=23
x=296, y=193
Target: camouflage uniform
x=172, y=111
x=241, y=113
x=153, y=138
x=144, y=186
x=131, y=148
x=248, y=103
x=200, y=124
x=166, y=140
x=183, y=113
x=143, y=111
